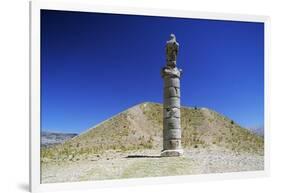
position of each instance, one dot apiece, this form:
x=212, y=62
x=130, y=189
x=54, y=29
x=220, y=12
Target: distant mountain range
x=258, y=130
x=53, y=138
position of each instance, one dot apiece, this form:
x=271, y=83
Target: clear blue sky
x=96, y=65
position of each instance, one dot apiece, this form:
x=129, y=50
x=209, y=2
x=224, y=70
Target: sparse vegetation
x=141, y=128
x=138, y=131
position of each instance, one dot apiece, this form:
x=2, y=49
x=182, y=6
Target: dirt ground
x=148, y=163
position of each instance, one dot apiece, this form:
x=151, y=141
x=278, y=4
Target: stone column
x=171, y=108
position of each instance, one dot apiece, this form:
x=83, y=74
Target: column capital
x=171, y=72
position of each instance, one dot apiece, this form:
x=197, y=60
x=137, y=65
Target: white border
x=86, y=6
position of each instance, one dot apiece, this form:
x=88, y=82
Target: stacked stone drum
x=171, y=113
x=171, y=107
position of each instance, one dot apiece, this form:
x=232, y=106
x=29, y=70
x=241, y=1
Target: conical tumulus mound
x=140, y=127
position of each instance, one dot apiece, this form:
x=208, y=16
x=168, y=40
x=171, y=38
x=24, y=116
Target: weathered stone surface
x=171, y=92
x=172, y=144
x=172, y=48
x=172, y=134
x=175, y=143
x=172, y=102
x=172, y=153
x=172, y=123
x=171, y=72
x=171, y=112
x=172, y=82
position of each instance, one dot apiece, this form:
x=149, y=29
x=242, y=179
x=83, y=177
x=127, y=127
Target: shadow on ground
x=143, y=156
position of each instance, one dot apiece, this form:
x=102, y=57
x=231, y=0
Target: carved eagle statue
x=172, y=48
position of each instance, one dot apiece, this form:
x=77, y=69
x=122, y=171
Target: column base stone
x=172, y=153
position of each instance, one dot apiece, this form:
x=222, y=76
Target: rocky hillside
x=140, y=127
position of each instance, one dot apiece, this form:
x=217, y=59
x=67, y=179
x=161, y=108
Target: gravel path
x=147, y=163
x=220, y=160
